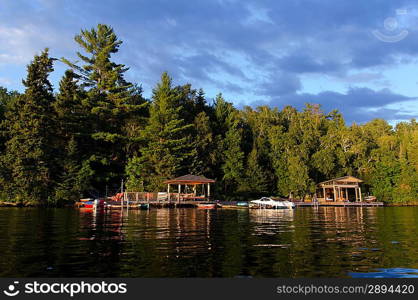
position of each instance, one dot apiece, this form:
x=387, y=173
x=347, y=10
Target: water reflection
x=305, y=242
x=271, y=221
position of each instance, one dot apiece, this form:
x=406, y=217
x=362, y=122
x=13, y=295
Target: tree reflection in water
x=305, y=242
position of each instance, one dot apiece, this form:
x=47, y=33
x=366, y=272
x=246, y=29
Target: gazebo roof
x=189, y=179
x=350, y=179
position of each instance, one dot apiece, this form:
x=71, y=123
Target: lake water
x=306, y=242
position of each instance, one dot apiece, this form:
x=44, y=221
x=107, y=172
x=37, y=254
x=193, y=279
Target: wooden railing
x=160, y=197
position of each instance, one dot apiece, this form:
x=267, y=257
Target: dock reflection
x=304, y=242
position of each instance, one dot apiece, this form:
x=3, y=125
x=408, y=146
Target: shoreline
x=27, y=205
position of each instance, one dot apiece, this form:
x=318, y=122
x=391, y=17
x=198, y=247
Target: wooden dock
x=154, y=204
x=230, y=205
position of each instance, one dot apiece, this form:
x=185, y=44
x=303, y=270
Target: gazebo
x=187, y=187
x=341, y=189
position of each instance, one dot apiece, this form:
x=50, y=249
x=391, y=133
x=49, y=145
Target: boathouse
x=341, y=189
x=189, y=187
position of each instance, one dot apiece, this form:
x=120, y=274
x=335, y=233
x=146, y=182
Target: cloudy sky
x=358, y=56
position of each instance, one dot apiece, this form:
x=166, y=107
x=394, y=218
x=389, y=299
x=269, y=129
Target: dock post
x=208, y=190
x=127, y=202
x=168, y=192
x=123, y=195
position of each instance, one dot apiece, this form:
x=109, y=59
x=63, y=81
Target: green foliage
x=166, y=143
x=72, y=134
x=203, y=156
x=113, y=104
x=30, y=130
x=233, y=166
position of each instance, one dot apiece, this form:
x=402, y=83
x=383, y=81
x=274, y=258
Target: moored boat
x=268, y=202
x=370, y=198
x=207, y=205
x=90, y=203
x=86, y=199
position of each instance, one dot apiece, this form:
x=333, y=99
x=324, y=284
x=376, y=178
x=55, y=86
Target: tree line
x=98, y=129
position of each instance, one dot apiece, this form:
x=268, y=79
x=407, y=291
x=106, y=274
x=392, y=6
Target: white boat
x=267, y=202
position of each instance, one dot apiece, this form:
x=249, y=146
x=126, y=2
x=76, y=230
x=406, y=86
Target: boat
x=88, y=204
x=370, y=198
x=86, y=199
x=269, y=202
x=91, y=203
x=242, y=203
x=207, y=205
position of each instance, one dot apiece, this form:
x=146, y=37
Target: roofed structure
x=189, y=179
x=341, y=189
x=190, y=183
x=346, y=179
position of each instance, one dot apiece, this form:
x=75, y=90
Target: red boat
x=207, y=205
x=90, y=203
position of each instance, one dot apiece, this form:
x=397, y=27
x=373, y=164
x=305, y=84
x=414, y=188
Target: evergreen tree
x=259, y=168
x=72, y=139
x=166, y=144
x=256, y=176
x=111, y=99
x=203, y=156
x=30, y=148
x=6, y=100
x=72, y=180
x=233, y=165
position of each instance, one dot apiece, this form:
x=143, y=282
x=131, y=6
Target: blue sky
x=360, y=57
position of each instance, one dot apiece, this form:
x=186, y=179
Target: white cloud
x=17, y=45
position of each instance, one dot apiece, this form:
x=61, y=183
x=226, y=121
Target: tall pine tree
x=166, y=143
x=30, y=148
x=111, y=101
x=72, y=139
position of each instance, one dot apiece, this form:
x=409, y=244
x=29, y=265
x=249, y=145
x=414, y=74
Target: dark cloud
x=260, y=48
x=280, y=84
x=358, y=104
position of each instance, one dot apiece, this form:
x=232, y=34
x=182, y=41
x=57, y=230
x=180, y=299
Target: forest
x=96, y=128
